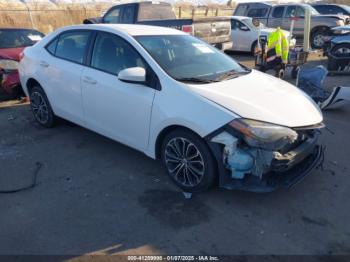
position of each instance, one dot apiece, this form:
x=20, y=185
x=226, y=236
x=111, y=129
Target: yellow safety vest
x=277, y=46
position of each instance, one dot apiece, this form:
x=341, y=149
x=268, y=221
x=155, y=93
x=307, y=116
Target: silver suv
x=281, y=15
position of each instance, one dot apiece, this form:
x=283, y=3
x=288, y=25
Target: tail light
x=188, y=29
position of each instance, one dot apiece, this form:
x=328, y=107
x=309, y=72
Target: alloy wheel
x=39, y=107
x=184, y=162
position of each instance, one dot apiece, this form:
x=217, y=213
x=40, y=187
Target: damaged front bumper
x=267, y=170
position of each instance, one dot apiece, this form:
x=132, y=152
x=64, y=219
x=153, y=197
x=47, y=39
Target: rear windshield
x=10, y=38
x=153, y=11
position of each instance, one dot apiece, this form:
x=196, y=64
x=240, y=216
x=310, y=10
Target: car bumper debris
x=253, y=169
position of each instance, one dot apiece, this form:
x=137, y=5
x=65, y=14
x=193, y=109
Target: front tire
x=189, y=161
x=317, y=38
x=41, y=107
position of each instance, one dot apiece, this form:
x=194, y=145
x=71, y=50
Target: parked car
x=332, y=9
x=337, y=48
x=281, y=15
x=214, y=30
x=176, y=98
x=245, y=35
x=12, y=43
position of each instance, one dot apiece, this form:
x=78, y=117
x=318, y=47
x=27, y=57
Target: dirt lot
x=98, y=196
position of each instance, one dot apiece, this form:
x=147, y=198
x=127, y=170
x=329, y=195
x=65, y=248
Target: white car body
x=136, y=115
x=246, y=40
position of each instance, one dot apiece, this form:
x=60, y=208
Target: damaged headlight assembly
x=263, y=141
x=264, y=135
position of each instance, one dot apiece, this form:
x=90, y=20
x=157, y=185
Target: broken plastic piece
x=339, y=97
x=311, y=80
x=240, y=163
x=187, y=195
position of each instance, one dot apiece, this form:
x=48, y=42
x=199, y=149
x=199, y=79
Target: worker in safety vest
x=277, y=48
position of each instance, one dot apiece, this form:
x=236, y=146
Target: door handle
x=44, y=64
x=89, y=80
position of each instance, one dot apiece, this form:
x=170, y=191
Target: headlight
x=8, y=64
x=264, y=135
x=340, y=23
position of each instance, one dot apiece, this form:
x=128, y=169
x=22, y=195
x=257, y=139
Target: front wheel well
x=31, y=83
x=319, y=28
x=164, y=133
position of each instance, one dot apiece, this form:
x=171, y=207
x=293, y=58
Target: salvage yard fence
x=47, y=20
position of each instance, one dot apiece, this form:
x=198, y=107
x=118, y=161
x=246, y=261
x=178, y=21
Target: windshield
x=188, y=59
x=10, y=38
x=347, y=8
x=249, y=22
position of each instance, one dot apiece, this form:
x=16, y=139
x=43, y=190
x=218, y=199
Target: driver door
x=119, y=110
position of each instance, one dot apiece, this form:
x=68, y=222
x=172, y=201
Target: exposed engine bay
x=283, y=161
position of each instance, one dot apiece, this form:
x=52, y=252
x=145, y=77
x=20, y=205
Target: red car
x=12, y=43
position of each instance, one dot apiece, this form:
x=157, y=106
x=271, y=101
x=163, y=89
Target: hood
x=341, y=28
x=11, y=53
x=339, y=17
x=265, y=98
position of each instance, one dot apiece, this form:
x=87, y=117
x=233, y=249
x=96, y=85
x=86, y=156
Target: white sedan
x=176, y=98
x=245, y=35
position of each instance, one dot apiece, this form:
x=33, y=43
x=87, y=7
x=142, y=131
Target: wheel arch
x=165, y=131
x=31, y=82
x=319, y=27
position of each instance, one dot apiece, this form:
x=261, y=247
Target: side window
x=113, y=54
x=335, y=10
x=291, y=11
x=241, y=10
x=128, y=14
x=257, y=12
x=72, y=45
x=241, y=25
x=113, y=16
x=278, y=12
x=233, y=24
x=322, y=9
x=51, y=47
x=300, y=12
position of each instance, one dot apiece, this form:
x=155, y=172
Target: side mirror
x=244, y=28
x=136, y=75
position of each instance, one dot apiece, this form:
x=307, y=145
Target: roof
x=132, y=29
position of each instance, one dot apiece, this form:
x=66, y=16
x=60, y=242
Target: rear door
x=61, y=70
x=119, y=110
x=296, y=13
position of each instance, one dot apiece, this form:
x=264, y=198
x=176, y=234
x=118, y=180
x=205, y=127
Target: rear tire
x=41, y=107
x=188, y=160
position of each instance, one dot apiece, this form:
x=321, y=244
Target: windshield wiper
x=195, y=80
x=232, y=74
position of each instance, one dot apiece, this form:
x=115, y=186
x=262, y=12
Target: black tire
x=254, y=45
x=316, y=43
x=41, y=107
x=188, y=161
